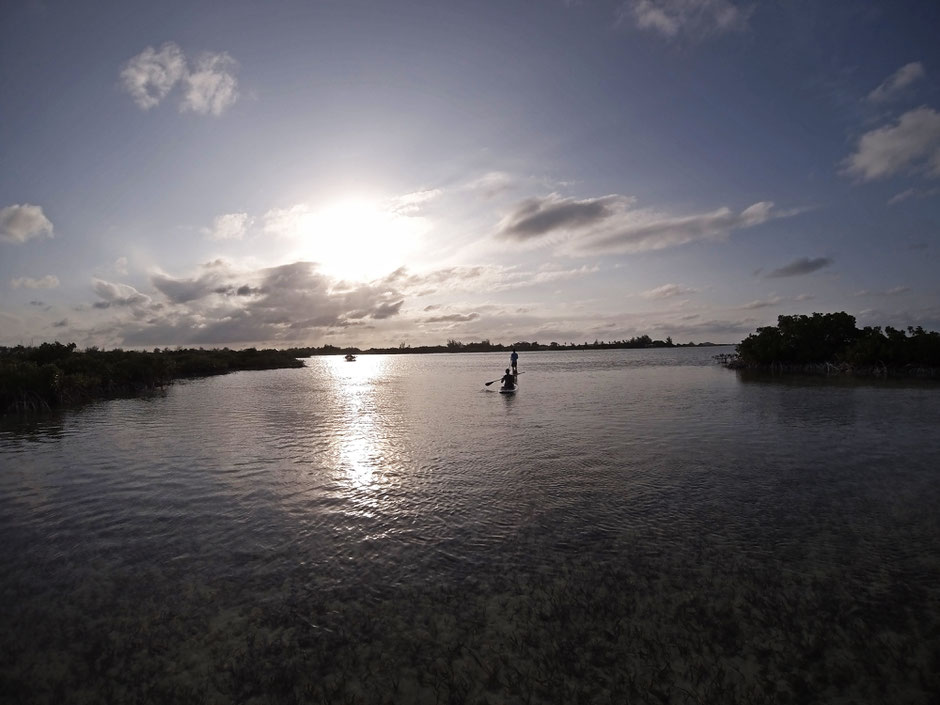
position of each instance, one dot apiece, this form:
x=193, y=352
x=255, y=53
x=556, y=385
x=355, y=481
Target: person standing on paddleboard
x=508, y=380
x=513, y=359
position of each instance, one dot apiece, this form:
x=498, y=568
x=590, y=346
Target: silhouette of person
x=508, y=380
x=513, y=359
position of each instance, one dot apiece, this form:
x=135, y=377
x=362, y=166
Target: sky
x=374, y=173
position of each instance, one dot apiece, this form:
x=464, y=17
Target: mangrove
x=830, y=343
x=56, y=374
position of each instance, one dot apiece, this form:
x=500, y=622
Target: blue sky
x=370, y=173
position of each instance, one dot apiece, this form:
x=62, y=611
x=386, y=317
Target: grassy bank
x=54, y=375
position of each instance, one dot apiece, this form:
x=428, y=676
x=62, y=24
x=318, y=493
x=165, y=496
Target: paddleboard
x=503, y=390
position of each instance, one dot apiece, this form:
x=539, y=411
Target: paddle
x=487, y=384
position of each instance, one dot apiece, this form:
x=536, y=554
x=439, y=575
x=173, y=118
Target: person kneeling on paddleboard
x=508, y=380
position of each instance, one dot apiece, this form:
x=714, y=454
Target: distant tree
x=801, y=339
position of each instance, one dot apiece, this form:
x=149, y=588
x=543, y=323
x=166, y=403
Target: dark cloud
x=287, y=304
x=454, y=318
x=798, y=267
x=387, y=310
x=538, y=216
x=180, y=291
x=243, y=290
x=611, y=225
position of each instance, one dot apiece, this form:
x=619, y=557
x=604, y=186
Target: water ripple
x=383, y=522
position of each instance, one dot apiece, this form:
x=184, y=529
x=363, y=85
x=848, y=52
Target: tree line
x=832, y=339
x=457, y=346
x=56, y=374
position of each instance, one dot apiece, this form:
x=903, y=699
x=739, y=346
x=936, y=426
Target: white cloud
x=894, y=291
x=410, y=204
x=696, y=18
x=763, y=303
x=897, y=82
x=230, y=226
x=905, y=145
x=112, y=294
x=151, y=75
x=287, y=222
x=667, y=291
x=492, y=183
x=50, y=281
x=19, y=223
x=553, y=274
x=476, y=278
x=902, y=196
x=120, y=265
x=211, y=87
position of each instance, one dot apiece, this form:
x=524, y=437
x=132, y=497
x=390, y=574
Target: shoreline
x=53, y=376
x=829, y=369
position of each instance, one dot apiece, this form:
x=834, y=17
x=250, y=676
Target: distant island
x=54, y=374
x=456, y=346
x=830, y=344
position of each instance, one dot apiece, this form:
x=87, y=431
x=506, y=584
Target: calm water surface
x=632, y=526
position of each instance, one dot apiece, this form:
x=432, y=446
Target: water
x=632, y=526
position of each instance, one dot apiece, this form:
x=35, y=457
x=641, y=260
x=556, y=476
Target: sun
x=359, y=240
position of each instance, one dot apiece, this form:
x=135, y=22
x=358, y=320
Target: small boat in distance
x=350, y=357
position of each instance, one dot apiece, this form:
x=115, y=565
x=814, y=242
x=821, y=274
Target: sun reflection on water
x=364, y=448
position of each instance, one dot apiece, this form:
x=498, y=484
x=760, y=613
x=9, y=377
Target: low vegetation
x=55, y=374
x=457, y=346
x=831, y=343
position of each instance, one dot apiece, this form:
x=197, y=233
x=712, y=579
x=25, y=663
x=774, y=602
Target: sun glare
x=359, y=240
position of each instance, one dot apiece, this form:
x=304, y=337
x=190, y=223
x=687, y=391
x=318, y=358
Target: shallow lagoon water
x=632, y=526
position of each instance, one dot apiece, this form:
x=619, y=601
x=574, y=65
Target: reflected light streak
x=363, y=448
